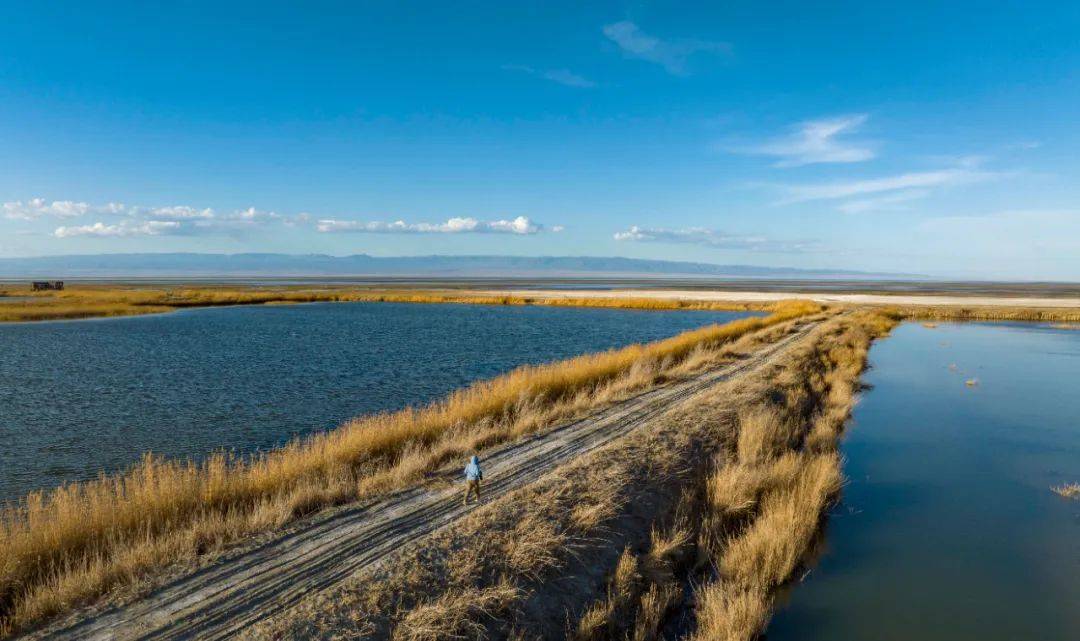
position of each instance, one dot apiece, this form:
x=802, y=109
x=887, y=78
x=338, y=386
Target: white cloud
x=253, y=215
x=39, y=207
x=175, y=212
x=561, y=76
x=169, y=213
x=519, y=225
x=713, y=238
x=671, y=55
x=912, y=180
x=121, y=229
x=816, y=141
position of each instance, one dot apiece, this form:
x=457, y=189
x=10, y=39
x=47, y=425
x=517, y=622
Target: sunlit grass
x=89, y=301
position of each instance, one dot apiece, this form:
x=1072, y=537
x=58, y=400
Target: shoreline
x=86, y=302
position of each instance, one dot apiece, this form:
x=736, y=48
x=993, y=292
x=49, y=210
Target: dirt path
x=222, y=599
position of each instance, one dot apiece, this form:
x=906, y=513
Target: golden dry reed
x=78, y=541
x=985, y=312
x=85, y=301
x=763, y=509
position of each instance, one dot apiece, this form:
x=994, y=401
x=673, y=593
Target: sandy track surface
x=222, y=599
x=819, y=297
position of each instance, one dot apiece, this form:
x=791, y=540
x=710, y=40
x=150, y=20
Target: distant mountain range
x=360, y=265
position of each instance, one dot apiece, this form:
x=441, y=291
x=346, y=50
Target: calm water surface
x=84, y=396
x=947, y=530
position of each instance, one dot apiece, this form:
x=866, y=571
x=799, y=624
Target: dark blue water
x=948, y=530
x=80, y=397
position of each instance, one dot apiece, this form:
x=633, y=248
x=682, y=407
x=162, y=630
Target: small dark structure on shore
x=48, y=285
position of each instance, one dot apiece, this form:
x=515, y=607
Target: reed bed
x=76, y=542
x=985, y=313
x=91, y=301
x=763, y=510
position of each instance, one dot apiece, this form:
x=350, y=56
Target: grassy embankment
x=687, y=527
x=78, y=541
x=84, y=301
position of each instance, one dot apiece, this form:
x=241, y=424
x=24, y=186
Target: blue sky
x=916, y=137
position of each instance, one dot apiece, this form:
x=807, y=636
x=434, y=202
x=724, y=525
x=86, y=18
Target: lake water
x=78, y=397
x=947, y=530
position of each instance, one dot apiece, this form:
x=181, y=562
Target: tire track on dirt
x=218, y=601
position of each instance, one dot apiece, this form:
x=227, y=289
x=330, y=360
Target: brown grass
x=78, y=541
x=457, y=614
x=86, y=301
x=727, y=613
x=643, y=589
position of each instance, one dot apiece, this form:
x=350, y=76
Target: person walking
x=473, y=476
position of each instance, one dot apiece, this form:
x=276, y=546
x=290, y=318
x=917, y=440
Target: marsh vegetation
x=688, y=526
x=75, y=542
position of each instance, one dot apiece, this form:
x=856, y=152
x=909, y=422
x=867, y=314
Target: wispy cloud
x=121, y=229
x=560, y=76
x=913, y=180
x=890, y=202
x=818, y=141
x=670, y=54
x=520, y=225
x=714, y=238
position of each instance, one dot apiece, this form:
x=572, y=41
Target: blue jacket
x=473, y=471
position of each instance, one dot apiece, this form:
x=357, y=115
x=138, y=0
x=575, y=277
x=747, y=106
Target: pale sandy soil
x=821, y=297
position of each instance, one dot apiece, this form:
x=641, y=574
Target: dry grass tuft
x=457, y=614
x=768, y=552
x=1068, y=490
x=730, y=614
x=763, y=433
